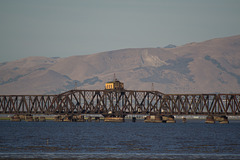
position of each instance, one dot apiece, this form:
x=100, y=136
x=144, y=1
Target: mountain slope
x=206, y=67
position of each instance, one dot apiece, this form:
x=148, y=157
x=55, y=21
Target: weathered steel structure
x=121, y=102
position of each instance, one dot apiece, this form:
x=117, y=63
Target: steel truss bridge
x=121, y=103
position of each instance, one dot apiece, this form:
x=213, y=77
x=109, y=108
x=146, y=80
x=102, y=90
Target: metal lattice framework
x=121, y=103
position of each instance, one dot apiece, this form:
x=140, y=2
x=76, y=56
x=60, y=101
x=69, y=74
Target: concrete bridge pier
x=169, y=119
x=39, y=119
x=69, y=118
x=184, y=120
x=210, y=119
x=29, y=118
x=134, y=119
x=42, y=119
x=89, y=119
x=160, y=119
x=114, y=118
x=15, y=118
x=153, y=119
x=221, y=119
x=97, y=119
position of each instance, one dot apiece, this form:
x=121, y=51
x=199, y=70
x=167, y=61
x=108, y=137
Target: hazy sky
x=61, y=28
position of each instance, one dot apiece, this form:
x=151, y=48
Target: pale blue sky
x=62, y=28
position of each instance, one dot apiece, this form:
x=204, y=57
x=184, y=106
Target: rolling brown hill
x=211, y=66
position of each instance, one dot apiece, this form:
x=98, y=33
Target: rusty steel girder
x=121, y=102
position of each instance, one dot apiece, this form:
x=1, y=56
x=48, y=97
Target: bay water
x=128, y=140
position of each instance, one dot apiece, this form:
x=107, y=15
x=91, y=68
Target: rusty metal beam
x=121, y=102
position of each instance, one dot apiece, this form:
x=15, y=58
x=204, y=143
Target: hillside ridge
x=211, y=66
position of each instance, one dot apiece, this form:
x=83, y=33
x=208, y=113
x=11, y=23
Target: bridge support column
x=168, y=119
x=39, y=119
x=80, y=118
x=29, y=118
x=134, y=119
x=221, y=119
x=69, y=118
x=97, y=119
x=58, y=118
x=184, y=120
x=113, y=118
x=36, y=119
x=89, y=119
x=210, y=119
x=153, y=119
x=42, y=119
x=15, y=118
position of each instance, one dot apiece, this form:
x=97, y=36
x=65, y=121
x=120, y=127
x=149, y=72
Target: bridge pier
x=97, y=119
x=184, y=120
x=36, y=119
x=80, y=118
x=15, y=118
x=58, y=118
x=89, y=119
x=169, y=119
x=42, y=119
x=153, y=119
x=160, y=119
x=114, y=118
x=221, y=119
x=29, y=118
x=69, y=118
x=210, y=119
x=134, y=119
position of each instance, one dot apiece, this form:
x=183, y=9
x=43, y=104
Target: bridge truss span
x=121, y=102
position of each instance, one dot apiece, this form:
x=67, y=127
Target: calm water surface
x=99, y=140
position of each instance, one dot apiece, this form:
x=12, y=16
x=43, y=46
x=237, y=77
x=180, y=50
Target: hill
x=211, y=66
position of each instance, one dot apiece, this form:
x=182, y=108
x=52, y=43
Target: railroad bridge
x=119, y=103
